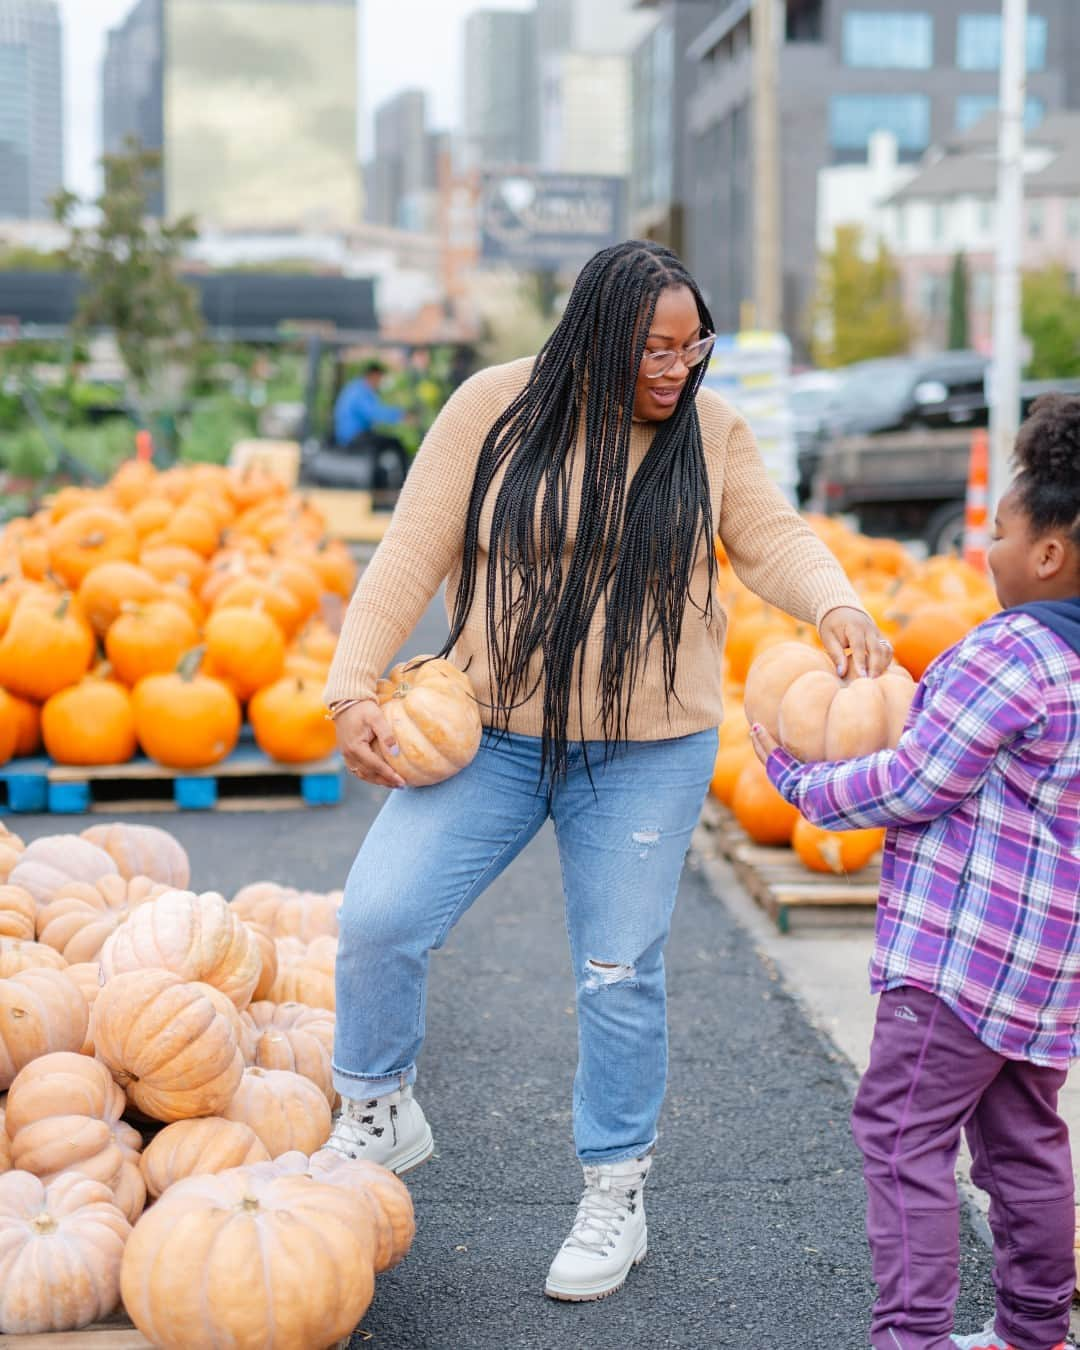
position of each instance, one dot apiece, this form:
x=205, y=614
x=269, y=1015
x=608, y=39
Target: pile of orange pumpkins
x=165, y=1057
x=151, y=612
x=922, y=607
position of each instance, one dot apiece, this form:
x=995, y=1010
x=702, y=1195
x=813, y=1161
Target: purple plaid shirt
x=980, y=887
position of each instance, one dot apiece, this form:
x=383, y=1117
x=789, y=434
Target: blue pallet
x=38, y=784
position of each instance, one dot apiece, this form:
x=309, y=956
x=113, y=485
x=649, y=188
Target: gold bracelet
x=336, y=709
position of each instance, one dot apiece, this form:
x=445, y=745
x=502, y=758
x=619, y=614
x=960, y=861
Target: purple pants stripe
x=929, y=1079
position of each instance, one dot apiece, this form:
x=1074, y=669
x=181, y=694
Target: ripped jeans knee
x=604, y=974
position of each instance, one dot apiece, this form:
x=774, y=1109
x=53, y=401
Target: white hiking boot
x=390, y=1130
x=608, y=1236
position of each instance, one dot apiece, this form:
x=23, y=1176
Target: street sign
x=752, y=370
x=548, y=220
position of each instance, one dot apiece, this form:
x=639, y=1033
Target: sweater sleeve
x=771, y=548
x=421, y=545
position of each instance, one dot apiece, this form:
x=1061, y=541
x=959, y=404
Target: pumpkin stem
x=188, y=665
x=44, y=1224
x=249, y=1204
x=403, y=688
x=62, y=608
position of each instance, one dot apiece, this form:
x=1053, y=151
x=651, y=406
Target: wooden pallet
x=247, y=780
x=116, y=1333
x=776, y=878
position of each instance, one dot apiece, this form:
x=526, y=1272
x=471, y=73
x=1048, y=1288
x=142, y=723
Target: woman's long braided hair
x=636, y=542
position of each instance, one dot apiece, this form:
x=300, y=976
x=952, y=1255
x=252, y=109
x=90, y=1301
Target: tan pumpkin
x=18, y=912
x=264, y=940
x=167, y=1043
x=298, y=1038
x=108, y=587
x=80, y=917
x=45, y=648
x=286, y=1110
x=433, y=713
x=246, y=647
x=91, y=722
x=87, y=975
x=186, y=720
x=11, y=851
x=56, y=860
x=61, y=1246
x=772, y=674
x=286, y=912
x=190, y=1148
x=822, y=718
x=129, y=1191
x=40, y=1011
x=197, y=937
x=5, y=1145
x=62, y=1083
x=143, y=851
x=16, y=956
x=389, y=1195
x=300, y=1252
x=290, y=723
x=306, y=972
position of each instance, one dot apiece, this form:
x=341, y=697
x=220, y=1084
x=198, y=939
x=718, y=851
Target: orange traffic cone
x=144, y=446
x=977, y=505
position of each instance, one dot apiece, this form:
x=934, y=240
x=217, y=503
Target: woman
x=572, y=501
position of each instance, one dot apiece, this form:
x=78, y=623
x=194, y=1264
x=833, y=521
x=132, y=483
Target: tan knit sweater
x=771, y=549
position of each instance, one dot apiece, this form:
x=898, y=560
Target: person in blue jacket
x=358, y=409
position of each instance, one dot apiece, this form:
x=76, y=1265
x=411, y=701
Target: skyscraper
x=132, y=103
x=501, y=90
x=31, y=107
x=401, y=169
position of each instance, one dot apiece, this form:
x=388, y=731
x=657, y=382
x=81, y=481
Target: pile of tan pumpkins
x=922, y=607
x=133, y=1009
x=150, y=613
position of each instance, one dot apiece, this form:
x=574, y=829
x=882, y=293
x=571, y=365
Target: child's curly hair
x=1048, y=456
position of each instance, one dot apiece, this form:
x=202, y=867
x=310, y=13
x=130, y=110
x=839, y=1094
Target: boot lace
x=358, y=1119
x=602, y=1213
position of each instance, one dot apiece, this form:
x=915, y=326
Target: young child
x=977, y=950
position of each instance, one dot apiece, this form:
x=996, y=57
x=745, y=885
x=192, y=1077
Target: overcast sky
x=404, y=43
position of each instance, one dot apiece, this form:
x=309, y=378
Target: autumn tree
x=858, y=310
x=1050, y=310
x=958, y=304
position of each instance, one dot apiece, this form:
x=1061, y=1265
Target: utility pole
x=767, y=25
x=1005, y=383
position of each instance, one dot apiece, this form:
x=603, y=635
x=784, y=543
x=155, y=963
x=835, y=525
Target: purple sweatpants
x=929, y=1078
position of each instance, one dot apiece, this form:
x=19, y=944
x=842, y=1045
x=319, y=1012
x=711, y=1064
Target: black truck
x=893, y=446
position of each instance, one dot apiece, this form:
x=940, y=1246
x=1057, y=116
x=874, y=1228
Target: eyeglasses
x=655, y=364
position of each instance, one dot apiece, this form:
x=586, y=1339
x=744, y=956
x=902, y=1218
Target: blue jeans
x=432, y=851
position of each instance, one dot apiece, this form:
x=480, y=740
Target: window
x=937, y=223
x=982, y=290
x=1072, y=218
x=1036, y=220
x=933, y=291
x=889, y=41
x=970, y=108
x=978, y=42
x=986, y=216
x=853, y=118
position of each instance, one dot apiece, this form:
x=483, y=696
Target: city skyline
x=431, y=28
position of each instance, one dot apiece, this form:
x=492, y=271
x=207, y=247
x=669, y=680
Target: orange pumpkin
x=193, y=527
x=730, y=762
x=10, y=724
x=89, y=536
x=839, y=851
x=109, y=587
x=186, y=720
x=277, y=600
x=931, y=630
x=765, y=816
x=290, y=722
x=132, y=482
x=151, y=515
x=28, y=726
x=246, y=647
x=44, y=649
x=90, y=723
x=432, y=712
x=149, y=640
x=173, y=563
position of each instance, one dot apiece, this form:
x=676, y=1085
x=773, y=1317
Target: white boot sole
x=418, y=1154
x=589, y=1293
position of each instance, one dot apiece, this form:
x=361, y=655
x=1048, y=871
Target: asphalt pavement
x=755, y=1201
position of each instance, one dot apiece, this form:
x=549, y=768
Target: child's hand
x=762, y=742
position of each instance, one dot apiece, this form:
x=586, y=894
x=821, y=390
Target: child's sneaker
x=390, y=1130
x=988, y=1339
x=608, y=1236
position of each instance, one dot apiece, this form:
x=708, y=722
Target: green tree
x=129, y=264
x=1050, y=314
x=858, y=310
x=958, y=304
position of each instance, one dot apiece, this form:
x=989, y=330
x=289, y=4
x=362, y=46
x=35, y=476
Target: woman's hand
x=844, y=628
x=362, y=731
